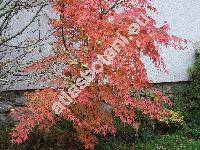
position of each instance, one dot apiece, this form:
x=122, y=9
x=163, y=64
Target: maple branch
x=20, y=32
x=9, y=10
x=62, y=28
x=113, y=6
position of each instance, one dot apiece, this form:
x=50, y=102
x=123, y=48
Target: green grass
x=169, y=142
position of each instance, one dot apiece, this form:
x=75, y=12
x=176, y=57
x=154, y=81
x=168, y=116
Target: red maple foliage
x=94, y=25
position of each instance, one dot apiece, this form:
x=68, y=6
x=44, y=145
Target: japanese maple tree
x=84, y=30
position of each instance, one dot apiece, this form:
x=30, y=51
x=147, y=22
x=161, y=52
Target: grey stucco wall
x=184, y=19
x=182, y=15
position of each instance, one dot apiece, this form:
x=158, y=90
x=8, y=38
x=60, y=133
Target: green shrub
x=57, y=138
x=4, y=135
x=192, y=93
x=186, y=100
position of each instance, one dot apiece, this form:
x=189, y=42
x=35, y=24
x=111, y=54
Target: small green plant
x=174, y=118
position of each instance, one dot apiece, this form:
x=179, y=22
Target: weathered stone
x=20, y=101
x=5, y=106
x=105, y=107
x=5, y=118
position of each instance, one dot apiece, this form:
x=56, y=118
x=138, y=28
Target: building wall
x=184, y=18
x=182, y=15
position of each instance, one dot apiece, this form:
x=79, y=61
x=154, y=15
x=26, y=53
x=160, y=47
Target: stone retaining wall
x=11, y=100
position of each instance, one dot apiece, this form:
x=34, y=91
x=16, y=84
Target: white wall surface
x=184, y=18
x=182, y=15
